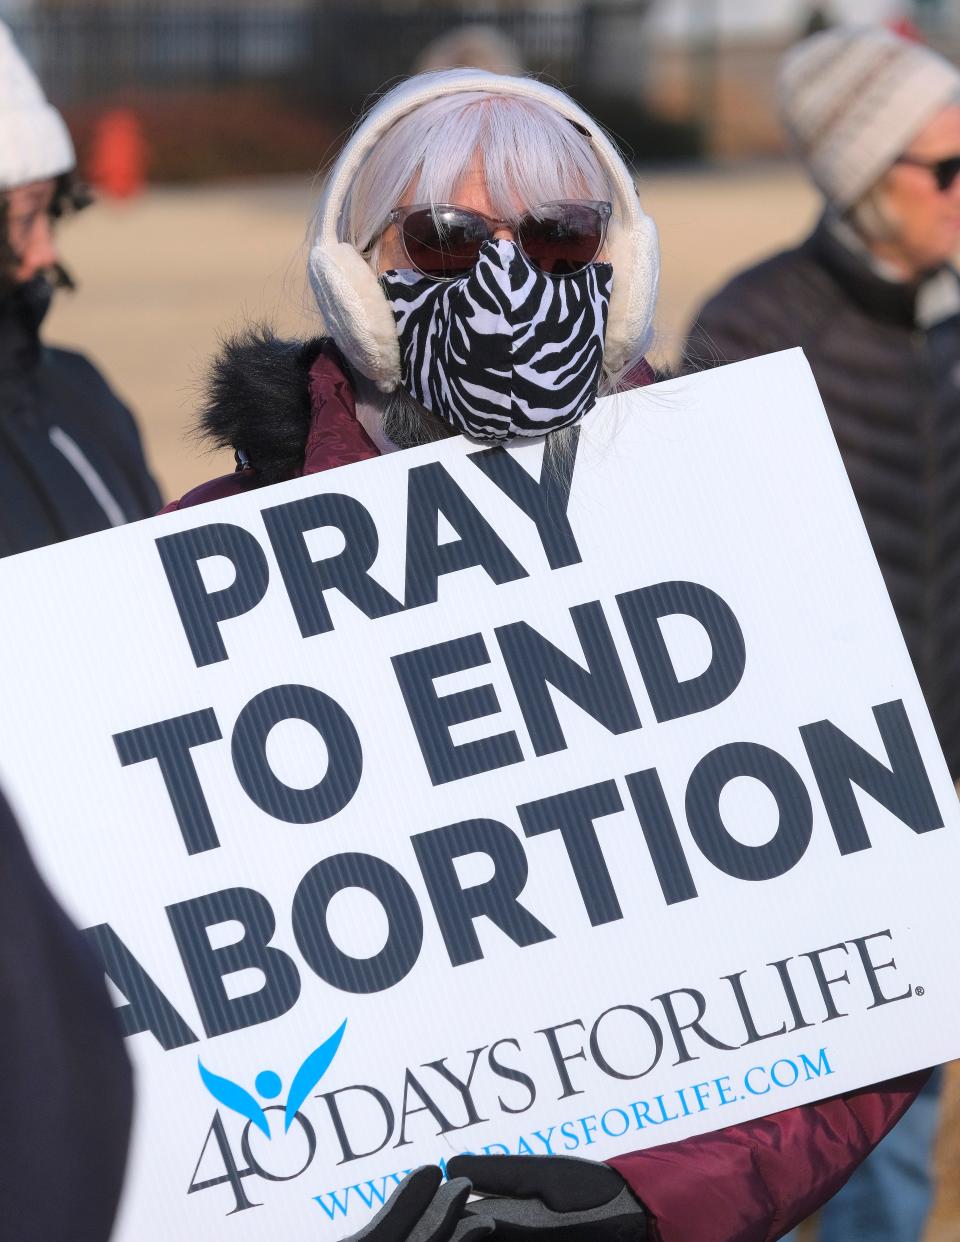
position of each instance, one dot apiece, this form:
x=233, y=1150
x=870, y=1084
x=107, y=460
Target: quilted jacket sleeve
x=754, y=1182
x=742, y=321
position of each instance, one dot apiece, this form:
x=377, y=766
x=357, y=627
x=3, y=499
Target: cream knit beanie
x=34, y=143
x=852, y=100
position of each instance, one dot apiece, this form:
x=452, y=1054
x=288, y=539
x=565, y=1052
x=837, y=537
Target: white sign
x=434, y=804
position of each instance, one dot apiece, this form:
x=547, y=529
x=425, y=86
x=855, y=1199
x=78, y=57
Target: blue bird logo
x=269, y=1085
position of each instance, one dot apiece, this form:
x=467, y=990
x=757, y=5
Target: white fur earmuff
x=635, y=255
x=355, y=311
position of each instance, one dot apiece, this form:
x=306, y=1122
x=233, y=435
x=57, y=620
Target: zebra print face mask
x=505, y=350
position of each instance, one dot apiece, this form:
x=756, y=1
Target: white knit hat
x=34, y=143
x=853, y=98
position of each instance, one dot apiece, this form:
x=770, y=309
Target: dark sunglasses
x=443, y=242
x=945, y=171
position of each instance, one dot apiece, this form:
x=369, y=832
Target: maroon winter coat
x=748, y=1183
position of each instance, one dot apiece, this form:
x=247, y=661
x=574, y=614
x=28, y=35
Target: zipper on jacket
x=85, y=468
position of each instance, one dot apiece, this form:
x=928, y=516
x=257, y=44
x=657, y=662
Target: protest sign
x=562, y=801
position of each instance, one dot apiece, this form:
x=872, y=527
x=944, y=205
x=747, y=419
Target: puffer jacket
x=71, y=461
x=891, y=388
x=288, y=409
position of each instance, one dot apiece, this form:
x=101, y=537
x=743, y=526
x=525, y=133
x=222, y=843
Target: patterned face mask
x=505, y=350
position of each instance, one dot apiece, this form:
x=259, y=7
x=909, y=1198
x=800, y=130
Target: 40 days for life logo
x=238, y=1099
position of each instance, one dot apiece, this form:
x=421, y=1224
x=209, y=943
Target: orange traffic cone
x=118, y=159
x=906, y=29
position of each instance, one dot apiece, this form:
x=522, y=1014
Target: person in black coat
x=873, y=300
x=66, y=1087
x=71, y=461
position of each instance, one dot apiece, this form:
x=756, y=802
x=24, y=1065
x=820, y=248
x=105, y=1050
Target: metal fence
x=332, y=55
x=337, y=52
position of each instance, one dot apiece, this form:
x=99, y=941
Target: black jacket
x=71, y=461
x=892, y=392
x=67, y=1087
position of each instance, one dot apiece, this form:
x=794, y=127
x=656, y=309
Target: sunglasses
x=945, y=171
x=558, y=239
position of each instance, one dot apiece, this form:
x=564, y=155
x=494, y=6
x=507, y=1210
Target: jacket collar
x=288, y=408
x=336, y=437
x=22, y=311
x=890, y=301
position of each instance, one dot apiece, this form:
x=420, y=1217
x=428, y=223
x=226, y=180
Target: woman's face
x=30, y=228
x=926, y=219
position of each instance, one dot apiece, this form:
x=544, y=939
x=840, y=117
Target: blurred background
x=223, y=111
x=203, y=126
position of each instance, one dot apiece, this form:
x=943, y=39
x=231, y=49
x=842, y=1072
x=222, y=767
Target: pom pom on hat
x=34, y=143
x=852, y=99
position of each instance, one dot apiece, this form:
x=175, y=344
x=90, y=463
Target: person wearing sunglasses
x=873, y=300
x=483, y=266
x=420, y=244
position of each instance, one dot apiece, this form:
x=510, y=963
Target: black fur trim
x=256, y=400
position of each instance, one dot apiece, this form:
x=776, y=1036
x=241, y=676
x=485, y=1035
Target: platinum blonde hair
x=529, y=155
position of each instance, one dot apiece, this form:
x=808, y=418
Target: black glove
x=421, y=1210
x=552, y=1199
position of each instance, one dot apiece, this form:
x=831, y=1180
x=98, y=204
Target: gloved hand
x=552, y=1199
x=421, y=1210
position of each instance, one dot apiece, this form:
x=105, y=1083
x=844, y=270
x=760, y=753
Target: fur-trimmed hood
x=286, y=409
x=256, y=400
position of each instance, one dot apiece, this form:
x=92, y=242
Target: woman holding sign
x=483, y=266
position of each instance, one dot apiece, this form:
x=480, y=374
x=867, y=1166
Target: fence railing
x=338, y=51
